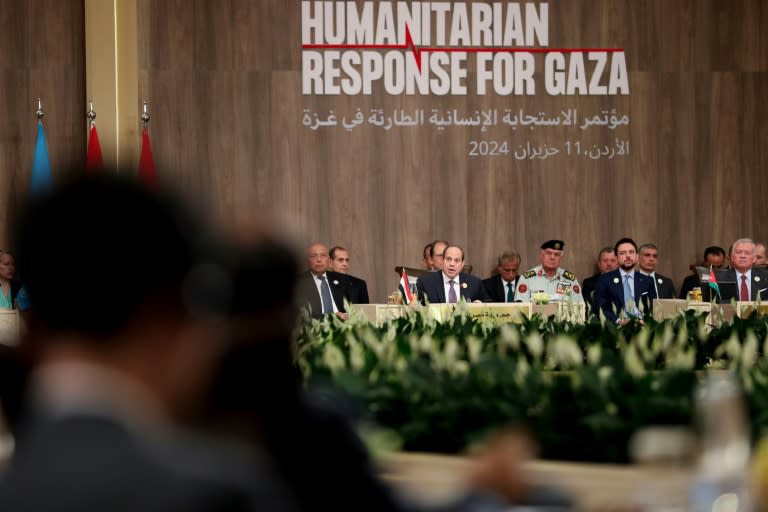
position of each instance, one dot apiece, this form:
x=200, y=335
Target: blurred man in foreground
x=123, y=350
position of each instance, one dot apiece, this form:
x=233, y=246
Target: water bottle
x=722, y=477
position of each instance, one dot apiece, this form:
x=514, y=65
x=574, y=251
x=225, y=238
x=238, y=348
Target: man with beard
x=621, y=293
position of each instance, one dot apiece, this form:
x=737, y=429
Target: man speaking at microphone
x=451, y=284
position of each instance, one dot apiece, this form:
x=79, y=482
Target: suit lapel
x=757, y=285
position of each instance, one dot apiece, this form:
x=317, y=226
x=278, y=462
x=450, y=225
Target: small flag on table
x=405, y=289
x=707, y=275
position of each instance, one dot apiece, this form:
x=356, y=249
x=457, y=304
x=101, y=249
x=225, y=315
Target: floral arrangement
x=441, y=384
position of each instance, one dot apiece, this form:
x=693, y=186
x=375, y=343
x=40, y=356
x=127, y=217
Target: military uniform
x=563, y=286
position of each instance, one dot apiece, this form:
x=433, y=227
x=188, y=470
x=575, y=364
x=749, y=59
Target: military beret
x=553, y=244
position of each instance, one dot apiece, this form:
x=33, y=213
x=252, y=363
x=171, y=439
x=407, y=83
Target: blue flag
x=41, y=167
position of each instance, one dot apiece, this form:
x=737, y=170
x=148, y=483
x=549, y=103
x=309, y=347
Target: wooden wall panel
x=42, y=54
x=224, y=82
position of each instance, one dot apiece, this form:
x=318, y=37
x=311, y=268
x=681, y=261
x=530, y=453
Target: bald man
x=322, y=290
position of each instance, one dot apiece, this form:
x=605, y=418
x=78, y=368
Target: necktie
x=451, y=292
x=744, y=289
x=629, y=299
x=325, y=294
x=510, y=293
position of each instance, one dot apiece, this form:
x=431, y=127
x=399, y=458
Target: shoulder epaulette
x=529, y=274
x=568, y=275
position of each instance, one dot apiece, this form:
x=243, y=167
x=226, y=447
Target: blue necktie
x=629, y=299
x=325, y=294
x=510, y=293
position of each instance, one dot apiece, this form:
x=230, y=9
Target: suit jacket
x=431, y=288
x=308, y=295
x=357, y=290
x=588, y=291
x=665, y=287
x=729, y=286
x=609, y=293
x=496, y=289
x=92, y=462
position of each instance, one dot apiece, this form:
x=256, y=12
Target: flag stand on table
x=713, y=282
x=41, y=179
x=147, y=172
x=404, y=287
x=94, y=162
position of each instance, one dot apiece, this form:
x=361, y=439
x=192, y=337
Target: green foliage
x=583, y=389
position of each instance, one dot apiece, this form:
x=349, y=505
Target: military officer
x=558, y=283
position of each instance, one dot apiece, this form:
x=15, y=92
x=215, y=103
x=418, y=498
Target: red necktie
x=744, y=290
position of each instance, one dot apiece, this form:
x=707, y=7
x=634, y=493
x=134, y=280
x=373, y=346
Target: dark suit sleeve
x=648, y=293
x=421, y=290
x=603, y=300
x=364, y=292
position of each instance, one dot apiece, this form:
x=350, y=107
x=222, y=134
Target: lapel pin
x=463, y=285
x=335, y=281
x=616, y=280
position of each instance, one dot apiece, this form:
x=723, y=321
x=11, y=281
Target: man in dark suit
x=714, y=257
x=647, y=259
x=743, y=282
x=357, y=289
x=606, y=261
x=624, y=293
x=117, y=368
x=501, y=287
x=450, y=284
x=322, y=290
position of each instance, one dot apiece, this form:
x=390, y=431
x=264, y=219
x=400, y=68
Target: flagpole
x=145, y=115
x=91, y=114
x=39, y=112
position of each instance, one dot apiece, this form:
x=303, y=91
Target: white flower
x=521, y=372
x=594, y=352
x=356, y=356
x=451, y=350
x=633, y=363
x=749, y=353
x=426, y=344
x=474, y=348
x=333, y=358
x=460, y=368
x=535, y=344
x=511, y=336
x=566, y=351
x=605, y=373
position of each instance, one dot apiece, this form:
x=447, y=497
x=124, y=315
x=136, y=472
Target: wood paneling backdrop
x=224, y=83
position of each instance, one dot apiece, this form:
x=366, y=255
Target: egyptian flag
x=405, y=289
x=94, y=163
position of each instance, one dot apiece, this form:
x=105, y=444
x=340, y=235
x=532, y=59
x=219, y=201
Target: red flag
x=147, y=172
x=94, y=163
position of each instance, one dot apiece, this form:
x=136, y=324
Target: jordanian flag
x=713, y=282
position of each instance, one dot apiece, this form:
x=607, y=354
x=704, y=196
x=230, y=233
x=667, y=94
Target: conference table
x=570, y=311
